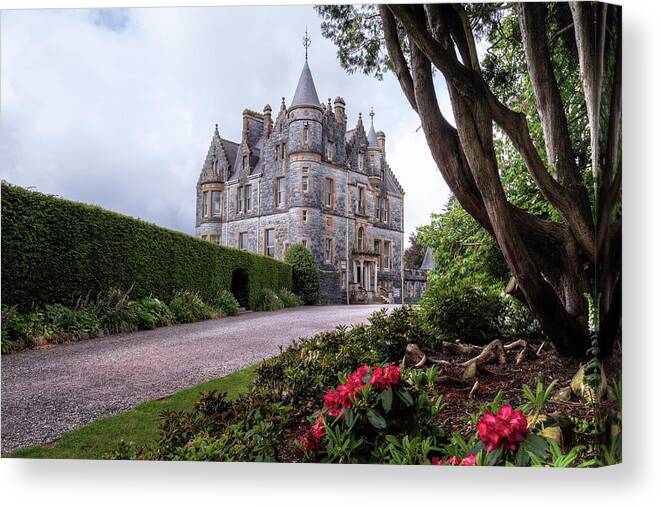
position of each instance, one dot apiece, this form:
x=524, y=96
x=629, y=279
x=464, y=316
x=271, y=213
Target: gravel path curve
x=48, y=392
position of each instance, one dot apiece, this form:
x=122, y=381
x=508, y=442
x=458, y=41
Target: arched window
x=361, y=238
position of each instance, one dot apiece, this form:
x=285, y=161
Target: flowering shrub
x=506, y=429
x=362, y=415
x=335, y=401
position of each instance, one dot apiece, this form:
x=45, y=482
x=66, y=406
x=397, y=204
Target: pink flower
x=503, y=430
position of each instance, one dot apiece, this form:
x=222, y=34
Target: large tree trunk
x=548, y=259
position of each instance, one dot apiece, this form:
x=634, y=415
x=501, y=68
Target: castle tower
x=305, y=113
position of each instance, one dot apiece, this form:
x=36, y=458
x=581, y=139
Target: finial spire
x=306, y=43
x=372, y=116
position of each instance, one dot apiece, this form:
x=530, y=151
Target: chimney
x=381, y=139
x=339, y=110
x=268, y=123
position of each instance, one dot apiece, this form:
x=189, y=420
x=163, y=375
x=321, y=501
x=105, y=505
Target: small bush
x=226, y=302
x=150, y=312
x=305, y=273
x=289, y=299
x=268, y=300
x=187, y=306
x=463, y=312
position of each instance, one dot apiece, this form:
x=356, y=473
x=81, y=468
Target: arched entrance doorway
x=239, y=287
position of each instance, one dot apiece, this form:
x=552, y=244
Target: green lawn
x=139, y=425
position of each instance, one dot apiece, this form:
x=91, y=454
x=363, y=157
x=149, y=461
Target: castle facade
x=303, y=176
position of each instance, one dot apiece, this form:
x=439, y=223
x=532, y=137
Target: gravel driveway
x=48, y=392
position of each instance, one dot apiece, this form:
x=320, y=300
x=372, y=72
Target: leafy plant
x=305, y=273
x=187, y=306
x=268, y=301
x=226, y=302
x=289, y=299
x=536, y=401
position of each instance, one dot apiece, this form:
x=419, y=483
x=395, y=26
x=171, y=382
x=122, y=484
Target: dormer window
x=361, y=162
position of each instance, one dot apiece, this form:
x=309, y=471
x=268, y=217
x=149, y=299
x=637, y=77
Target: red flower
x=383, y=378
x=506, y=429
x=312, y=438
x=469, y=460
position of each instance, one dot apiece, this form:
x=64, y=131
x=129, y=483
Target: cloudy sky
x=116, y=107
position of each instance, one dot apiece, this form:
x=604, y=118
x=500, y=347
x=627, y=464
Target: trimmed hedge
x=54, y=251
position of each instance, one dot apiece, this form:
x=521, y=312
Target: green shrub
x=54, y=251
x=150, y=312
x=268, y=300
x=289, y=299
x=187, y=306
x=305, y=369
x=305, y=273
x=463, y=312
x=226, y=302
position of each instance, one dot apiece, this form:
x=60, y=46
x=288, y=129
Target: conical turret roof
x=306, y=93
x=371, y=138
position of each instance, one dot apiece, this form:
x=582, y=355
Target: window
x=330, y=151
x=243, y=241
x=361, y=200
x=378, y=209
x=246, y=163
x=280, y=192
x=304, y=216
x=305, y=180
x=213, y=238
x=360, y=238
x=343, y=279
x=269, y=242
x=306, y=134
x=328, y=250
x=304, y=242
x=286, y=246
x=247, y=194
x=386, y=211
x=205, y=204
x=239, y=199
x=386, y=255
x=243, y=195
x=361, y=162
x=377, y=251
x=215, y=203
x=328, y=192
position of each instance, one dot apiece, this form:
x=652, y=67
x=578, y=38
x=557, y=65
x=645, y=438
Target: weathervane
x=372, y=115
x=306, y=43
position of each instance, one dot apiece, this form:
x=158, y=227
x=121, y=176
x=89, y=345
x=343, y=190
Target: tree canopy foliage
x=533, y=153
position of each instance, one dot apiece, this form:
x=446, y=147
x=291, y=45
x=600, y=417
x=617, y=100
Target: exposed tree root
x=493, y=350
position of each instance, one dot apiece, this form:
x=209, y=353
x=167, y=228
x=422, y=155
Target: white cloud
x=117, y=108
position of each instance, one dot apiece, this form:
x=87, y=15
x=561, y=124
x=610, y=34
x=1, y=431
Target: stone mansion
x=302, y=176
